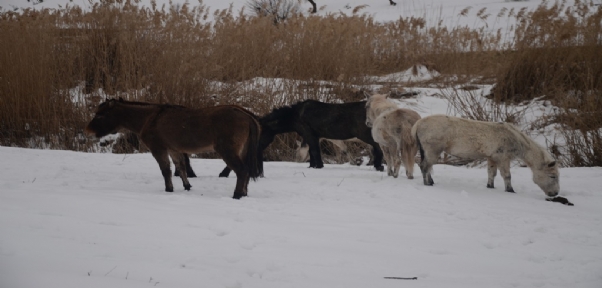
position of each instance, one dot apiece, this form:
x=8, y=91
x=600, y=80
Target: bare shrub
x=557, y=48
x=472, y=105
x=278, y=10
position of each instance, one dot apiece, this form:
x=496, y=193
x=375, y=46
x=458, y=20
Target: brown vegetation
x=57, y=63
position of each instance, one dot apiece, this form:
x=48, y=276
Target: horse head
x=104, y=122
x=546, y=177
x=375, y=105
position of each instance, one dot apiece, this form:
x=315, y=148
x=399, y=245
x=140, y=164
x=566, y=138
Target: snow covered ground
x=70, y=219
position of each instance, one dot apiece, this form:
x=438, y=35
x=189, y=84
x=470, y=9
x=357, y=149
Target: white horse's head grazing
x=546, y=177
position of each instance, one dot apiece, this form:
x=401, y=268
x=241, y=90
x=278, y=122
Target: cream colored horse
x=498, y=142
x=391, y=129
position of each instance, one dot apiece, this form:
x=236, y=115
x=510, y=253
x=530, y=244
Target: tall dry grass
x=558, y=55
x=59, y=63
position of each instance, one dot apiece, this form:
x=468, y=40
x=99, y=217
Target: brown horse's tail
x=254, y=157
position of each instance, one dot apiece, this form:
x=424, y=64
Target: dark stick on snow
x=402, y=278
x=560, y=199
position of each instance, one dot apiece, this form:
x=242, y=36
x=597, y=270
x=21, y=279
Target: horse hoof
x=187, y=187
x=380, y=168
x=510, y=191
x=168, y=190
x=490, y=186
x=410, y=177
x=223, y=175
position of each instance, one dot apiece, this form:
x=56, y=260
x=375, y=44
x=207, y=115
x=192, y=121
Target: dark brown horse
x=172, y=131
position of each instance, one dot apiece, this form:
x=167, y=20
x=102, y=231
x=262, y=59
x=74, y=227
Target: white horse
x=498, y=142
x=391, y=129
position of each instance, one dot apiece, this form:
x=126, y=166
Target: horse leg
x=242, y=179
x=315, y=157
x=162, y=158
x=378, y=156
x=409, y=153
x=391, y=161
x=397, y=158
x=386, y=156
x=235, y=163
x=426, y=164
x=225, y=172
x=179, y=161
x=491, y=172
x=189, y=172
x=246, y=185
x=504, y=166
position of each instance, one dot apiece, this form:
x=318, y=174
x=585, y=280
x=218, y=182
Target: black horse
x=313, y=120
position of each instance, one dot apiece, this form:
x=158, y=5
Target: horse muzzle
x=89, y=132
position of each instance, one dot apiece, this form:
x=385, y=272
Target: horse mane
x=529, y=143
x=283, y=113
x=137, y=103
x=379, y=104
x=140, y=103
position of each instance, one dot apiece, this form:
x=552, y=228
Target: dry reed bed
x=197, y=57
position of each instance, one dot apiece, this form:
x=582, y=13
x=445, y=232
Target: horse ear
x=552, y=164
x=367, y=95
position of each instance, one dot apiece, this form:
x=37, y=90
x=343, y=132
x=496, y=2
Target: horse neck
x=134, y=117
x=535, y=155
x=383, y=107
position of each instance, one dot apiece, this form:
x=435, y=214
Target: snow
x=414, y=74
x=70, y=219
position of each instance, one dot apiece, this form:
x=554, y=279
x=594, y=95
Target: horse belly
x=467, y=151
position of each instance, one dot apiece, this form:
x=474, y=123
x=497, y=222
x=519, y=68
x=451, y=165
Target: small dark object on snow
x=560, y=200
x=402, y=278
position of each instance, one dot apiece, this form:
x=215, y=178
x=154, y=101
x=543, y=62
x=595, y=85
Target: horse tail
x=254, y=157
x=408, y=136
x=414, y=134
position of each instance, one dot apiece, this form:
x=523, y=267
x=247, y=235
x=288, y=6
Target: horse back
x=335, y=121
x=470, y=138
x=200, y=130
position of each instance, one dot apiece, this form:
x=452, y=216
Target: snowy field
x=70, y=219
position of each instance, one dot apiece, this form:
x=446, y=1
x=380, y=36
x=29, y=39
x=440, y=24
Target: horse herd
x=239, y=137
